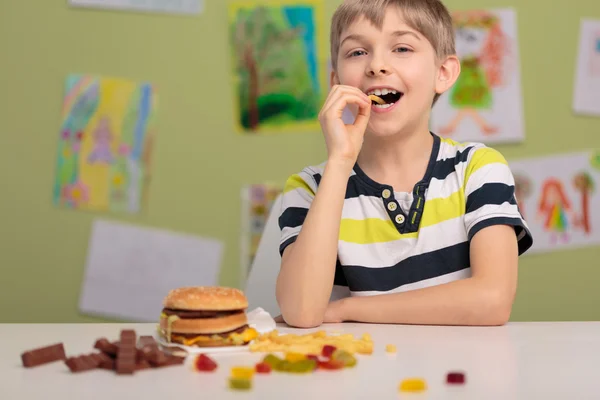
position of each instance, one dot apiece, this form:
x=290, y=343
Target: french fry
x=311, y=343
x=376, y=99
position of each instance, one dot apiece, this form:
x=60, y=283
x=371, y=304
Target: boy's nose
x=377, y=71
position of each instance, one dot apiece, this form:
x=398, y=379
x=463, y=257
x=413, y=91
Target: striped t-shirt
x=393, y=242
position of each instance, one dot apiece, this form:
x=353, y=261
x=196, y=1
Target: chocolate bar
x=126, y=355
x=106, y=347
x=105, y=361
x=146, y=340
x=172, y=360
x=153, y=355
x=43, y=355
x=84, y=362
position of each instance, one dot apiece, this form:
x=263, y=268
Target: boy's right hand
x=344, y=141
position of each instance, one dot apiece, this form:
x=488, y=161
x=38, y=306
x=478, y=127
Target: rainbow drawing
x=107, y=129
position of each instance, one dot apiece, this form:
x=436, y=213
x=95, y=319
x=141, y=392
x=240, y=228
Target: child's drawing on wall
x=484, y=104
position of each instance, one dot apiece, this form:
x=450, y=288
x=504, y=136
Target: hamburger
x=206, y=316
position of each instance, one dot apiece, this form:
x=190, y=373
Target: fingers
x=341, y=96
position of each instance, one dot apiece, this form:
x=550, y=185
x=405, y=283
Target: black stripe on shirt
x=292, y=217
x=413, y=269
x=443, y=168
x=525, y=242
x=490, y=193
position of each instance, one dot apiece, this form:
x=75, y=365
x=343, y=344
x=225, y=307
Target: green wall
x=200, y=164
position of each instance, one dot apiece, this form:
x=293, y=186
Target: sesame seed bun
x=214, y=298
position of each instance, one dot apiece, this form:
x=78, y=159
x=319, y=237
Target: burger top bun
x=206, y=298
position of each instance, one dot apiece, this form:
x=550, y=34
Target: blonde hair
x=428, y=17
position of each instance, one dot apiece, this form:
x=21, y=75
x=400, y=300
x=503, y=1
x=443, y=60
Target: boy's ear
x=448, y=73
x=333, y=79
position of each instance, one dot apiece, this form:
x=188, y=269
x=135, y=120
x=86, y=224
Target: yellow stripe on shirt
x=482, y=157
x=296, y=182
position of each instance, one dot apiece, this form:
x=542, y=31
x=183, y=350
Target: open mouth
x=388, y=96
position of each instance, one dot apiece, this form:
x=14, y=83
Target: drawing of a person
x=482, y=47
x=102, y=153
x=554, y=210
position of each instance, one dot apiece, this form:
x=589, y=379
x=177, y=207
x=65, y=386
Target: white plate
x=258, y=319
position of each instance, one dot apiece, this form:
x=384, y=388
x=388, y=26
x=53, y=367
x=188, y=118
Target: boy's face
x=394, y=59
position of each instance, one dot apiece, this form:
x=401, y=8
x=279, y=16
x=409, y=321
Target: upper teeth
x=379, y=92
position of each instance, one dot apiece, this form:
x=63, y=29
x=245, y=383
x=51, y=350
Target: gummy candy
x=455, y=378
x=272, y=361
x=313, y=357
x=263, y=368
x=242, y=372
x=296, y=366
x=240, y=384
x=413, y=385
x=293, y=357
x=342, y=355
x=390, y=348
x=204, y=363
x=328, y=350
x=331, y=364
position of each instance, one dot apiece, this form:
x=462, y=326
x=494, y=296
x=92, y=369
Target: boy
x=398, y=225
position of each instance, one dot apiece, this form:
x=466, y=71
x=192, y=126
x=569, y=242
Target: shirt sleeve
x=490, y=196
x=298, y=193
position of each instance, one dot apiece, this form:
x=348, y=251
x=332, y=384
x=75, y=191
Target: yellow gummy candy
x=293, y=357
x=390, y=348
x=242, y=372
x=413, y=385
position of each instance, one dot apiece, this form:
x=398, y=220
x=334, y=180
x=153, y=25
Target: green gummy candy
x=348, y=359
x=236, y=383
x=273, y=361
x=297, y=366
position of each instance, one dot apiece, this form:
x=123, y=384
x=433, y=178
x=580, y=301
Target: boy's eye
x=356, y=53
x=403, y=50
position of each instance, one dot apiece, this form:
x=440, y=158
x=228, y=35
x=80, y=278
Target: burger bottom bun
x=206, y=326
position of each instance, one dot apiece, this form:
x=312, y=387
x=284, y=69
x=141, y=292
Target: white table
x=516, y=361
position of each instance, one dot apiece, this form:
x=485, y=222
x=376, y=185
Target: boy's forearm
x=307, y=272
x=462, y=302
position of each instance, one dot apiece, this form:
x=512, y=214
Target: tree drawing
x=273, y=62
x=585, y=185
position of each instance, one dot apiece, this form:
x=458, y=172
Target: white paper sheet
x=586, y=99
x=131, y=269
x=485, y=103
x=558, y=196
x=160, y=6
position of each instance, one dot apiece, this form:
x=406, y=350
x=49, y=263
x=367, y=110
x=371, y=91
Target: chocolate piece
x=172, y=360
x=154, y=355
x=146, y=341
x=105, y=361
x=43, y=355
x=106, y=347
x=126, y=355
x=84, y=362
x=187, y=314
x=142, y=364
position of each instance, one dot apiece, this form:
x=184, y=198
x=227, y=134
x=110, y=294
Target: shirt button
x=400, y=219
x=386, y=193
x=392, y=206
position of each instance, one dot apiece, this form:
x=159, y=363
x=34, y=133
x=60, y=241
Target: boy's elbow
x=498, y=309
x=302, y=321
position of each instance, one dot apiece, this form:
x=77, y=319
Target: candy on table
x=43, y=355
x=413, y=385
x=127, y=353
x=240, y=384
x=313, y=357
x=204, y=363
x=328, y=350
x=390, y=348
x=293, y=357
x=342, y=355
x=242, y=372
x=272, y=361
x=331, y=364
x=263, y=368
x=455, y=378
